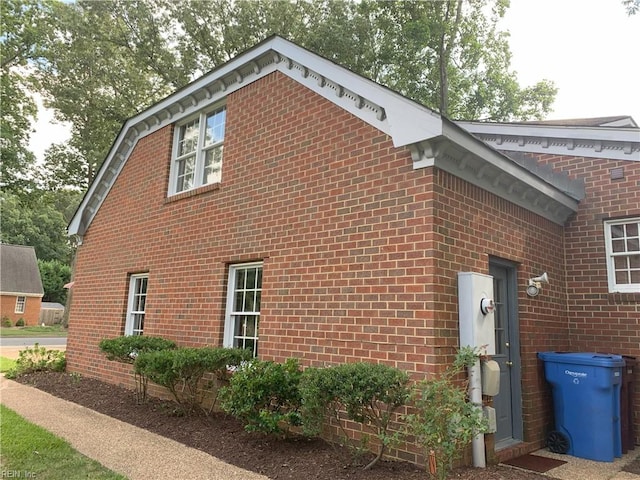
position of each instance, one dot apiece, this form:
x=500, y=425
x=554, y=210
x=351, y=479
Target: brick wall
x=360, y=251
x=473, y=225
x=31, y=309
x=598, y=320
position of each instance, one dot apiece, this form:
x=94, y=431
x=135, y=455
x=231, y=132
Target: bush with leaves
x=264, y=395
x=6, y=322
x=38, y=359
x=445, y=422
x=20, y=322
x=366, y=393
x=126, y=349
x=181, y=371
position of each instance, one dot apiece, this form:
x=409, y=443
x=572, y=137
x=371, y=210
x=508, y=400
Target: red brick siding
x=473, y=224
x=599, y=320
x=31, y=313
x=360, y=251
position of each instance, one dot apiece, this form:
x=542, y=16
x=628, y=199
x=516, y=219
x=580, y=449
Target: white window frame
x=132, y=327
x=615, y=287
x=201, y=150
x=21, y=304
x=231, y=340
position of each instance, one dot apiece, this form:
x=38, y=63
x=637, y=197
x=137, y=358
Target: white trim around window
x=21, y=302
x=196, y=159
x=137, y=304
x=622, y=238
x=242, y=319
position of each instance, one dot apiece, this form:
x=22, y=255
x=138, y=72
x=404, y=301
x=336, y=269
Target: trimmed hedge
x=181, y=371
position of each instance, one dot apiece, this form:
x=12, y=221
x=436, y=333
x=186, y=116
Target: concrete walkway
x=121, y=447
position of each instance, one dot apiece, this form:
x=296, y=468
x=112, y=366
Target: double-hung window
x=20, y=304
x=137, y=304
x=197, y=152
x=623, y=254
x=243, y=306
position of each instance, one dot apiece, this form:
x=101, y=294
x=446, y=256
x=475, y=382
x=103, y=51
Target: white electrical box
x=490, y=414
x=490, y=378
x=475, y=309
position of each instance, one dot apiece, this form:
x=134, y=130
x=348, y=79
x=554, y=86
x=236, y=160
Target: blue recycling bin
x=586, y=403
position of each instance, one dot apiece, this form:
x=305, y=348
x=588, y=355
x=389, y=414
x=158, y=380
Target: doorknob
x=506, y=344
x=509, y=364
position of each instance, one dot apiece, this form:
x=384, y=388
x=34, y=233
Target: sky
x=590, y=49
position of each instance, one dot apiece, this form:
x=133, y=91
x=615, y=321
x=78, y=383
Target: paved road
x=29, y=341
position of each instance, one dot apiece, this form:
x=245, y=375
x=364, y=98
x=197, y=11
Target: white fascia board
x=498, y=160
x=407, y=121
x=611, y=143
x=614, y=134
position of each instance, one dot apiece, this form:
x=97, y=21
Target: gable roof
x=433, y=139
x=19, y=273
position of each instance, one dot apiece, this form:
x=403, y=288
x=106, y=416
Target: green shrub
x=264, y=395
x=6, y=322
x=181, y=371
x=126, y=349
x=38, y=359
x=20, y=322
x=366, y=393
x=445, y=422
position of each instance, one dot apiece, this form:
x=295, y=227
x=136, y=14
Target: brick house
x=283, y=188
x=21, y=289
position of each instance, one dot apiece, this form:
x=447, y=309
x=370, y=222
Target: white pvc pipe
x=475, y=396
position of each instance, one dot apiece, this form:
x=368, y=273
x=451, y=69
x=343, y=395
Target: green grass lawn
x=29, y=451
x=6, y=364
x=34, y=331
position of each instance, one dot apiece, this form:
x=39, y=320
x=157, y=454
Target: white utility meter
x=475, y=310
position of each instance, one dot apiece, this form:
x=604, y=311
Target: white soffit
x=613, y=143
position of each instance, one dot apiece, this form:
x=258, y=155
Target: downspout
x=475, y=397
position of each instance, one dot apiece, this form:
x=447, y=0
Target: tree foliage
x=54, y=275
x=96, y=64
x=104, y=61
x=24, y=25
x=39, y=221
x=107, y=60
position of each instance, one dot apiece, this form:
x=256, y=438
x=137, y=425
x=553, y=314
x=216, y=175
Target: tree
x=447, y=55
x=54, y=275
x=38, y=220
x=24, y=25
x=632, y=6
x=105, y=61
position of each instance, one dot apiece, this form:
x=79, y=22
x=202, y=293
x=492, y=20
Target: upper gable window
x=623, y=254
x=197, y=151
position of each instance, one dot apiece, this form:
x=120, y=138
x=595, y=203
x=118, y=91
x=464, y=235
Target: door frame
x=511, y=269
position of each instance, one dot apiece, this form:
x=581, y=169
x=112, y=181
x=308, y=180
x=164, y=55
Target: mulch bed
x=223, y=437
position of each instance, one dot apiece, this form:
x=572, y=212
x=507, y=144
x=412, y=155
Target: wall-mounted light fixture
x=535, y=284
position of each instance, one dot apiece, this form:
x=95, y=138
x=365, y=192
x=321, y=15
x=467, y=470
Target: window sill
x=619, y=297
x=192, y=193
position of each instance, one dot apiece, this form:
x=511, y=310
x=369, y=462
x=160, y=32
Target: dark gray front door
x=508, y=402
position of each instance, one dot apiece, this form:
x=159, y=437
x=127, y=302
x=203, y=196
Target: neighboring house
x=51, y=313
x=283, y=190
x=21, y=289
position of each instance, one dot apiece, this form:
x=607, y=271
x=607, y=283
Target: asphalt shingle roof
x=19, y=272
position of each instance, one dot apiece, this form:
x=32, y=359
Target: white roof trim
x=614, y=143
x=406, y=122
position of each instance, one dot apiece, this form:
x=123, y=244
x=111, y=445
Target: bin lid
x=583, y=358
